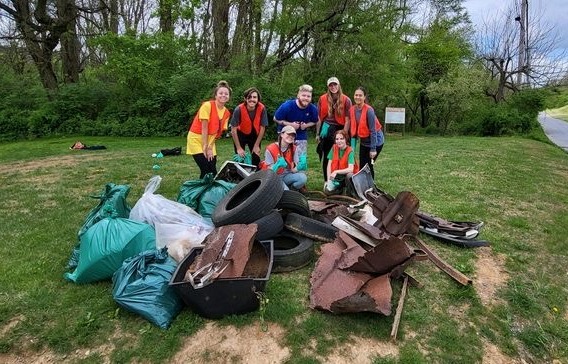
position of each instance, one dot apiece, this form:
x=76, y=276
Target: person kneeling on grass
x=340, y=165
x=283, y=158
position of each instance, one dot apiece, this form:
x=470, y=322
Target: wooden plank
x=398, y=315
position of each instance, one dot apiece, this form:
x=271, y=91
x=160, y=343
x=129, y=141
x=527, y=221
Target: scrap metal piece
x=398, y=314
x=329, y=284
x=374, y=296
x=231, y=244
x=440, y=263
x=390, y=253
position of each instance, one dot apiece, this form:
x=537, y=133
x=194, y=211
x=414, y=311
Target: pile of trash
x=215, y=248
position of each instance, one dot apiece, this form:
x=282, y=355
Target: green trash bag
x=105, y=245
x=190, y=191
x=112, y=201
x=141, y=286
x=210, y=198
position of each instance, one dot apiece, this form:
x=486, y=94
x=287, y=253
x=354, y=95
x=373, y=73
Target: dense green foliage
x=151, y=83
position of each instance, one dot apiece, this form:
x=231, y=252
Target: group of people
x=340, y=125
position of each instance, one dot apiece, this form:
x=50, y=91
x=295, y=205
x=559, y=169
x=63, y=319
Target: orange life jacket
x=214, y=125
x=288, y=155
x=246, y=124
x=343, y=162
x=324, y=109
x=360, y=128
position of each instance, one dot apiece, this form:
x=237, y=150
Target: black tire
x=252, y=198
x=291, y=252
x=269, y=226
x=310, y=228
x=294, y=201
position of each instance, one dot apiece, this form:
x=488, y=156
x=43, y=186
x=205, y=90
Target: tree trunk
x=70, y=47
x=166, y=16
x=220, y=17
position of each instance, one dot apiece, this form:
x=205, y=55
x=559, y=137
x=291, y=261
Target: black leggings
x=248, y=140
x=204, y=165
x=364, y=157
x=327, y=144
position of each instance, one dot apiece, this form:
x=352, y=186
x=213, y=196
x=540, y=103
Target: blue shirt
x=290, y=112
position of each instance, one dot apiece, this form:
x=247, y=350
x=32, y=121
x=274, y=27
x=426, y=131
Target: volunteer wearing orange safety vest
x=366, y=128
x=209, y=124
x=333, y=112
x=283, y=157
x=341, y=164
x=248, y=124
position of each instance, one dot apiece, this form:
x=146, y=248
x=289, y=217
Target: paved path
x=556, y=130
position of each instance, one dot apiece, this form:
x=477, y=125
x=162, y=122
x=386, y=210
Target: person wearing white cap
x=283, y=158
x=333, y=115
x=300, y=114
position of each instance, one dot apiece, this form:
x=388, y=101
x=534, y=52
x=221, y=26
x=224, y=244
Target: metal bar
x=440, y=263
x=398, y=315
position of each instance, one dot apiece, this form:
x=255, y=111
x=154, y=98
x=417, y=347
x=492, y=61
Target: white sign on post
x=394, y=115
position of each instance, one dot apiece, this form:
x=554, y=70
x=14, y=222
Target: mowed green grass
x=559, y=113
x=517, y=186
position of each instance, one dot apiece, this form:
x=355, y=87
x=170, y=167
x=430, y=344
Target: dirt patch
x=492, y=355
x=227, y=344
x=51, y=162
x=362, y=350
x=10, y=325
x=491, y=276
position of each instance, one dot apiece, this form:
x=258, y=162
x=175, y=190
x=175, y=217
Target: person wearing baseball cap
x=333, y=115
x=283, y=158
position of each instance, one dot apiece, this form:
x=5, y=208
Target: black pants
x=248, y=140
x=364, y=157
x=327, y=144
x=204, y=165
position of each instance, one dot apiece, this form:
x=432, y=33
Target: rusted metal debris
x=440, y=263
x=342, y=291
x=396, y=216
x=398, y=314
x=233, y=254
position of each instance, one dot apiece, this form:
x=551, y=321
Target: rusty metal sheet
x=374, y=296
x=392, y=252
x=238, y=252
x=329, y=284
x=400, y=215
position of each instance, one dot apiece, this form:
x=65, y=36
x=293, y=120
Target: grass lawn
x=517, y=308
x=559, y=113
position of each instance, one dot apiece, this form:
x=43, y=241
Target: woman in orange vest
x=248, y=124
x=209, y=124
x=365, y=127
x=333, y=110
x=283, y=157
x=341, y=163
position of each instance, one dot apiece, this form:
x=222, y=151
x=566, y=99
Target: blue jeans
x=294, y=181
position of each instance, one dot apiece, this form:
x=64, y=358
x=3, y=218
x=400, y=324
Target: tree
x=42, y=29
x=498, y=47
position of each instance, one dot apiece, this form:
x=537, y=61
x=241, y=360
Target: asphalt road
x=556, y=130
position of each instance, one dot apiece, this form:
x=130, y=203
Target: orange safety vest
x=343, y=162
x=288, y=155
x=214, y=125
x=246, y=124
x=324, y=109
x=361, y=128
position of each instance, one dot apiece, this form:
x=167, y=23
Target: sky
x=554, y=12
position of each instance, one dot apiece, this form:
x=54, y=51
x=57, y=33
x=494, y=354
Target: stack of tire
x=281, y=215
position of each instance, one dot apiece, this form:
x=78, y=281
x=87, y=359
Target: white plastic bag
x=152, y=208
x=180, y=238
